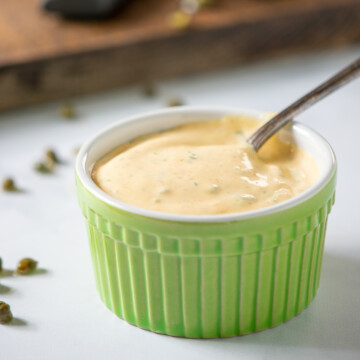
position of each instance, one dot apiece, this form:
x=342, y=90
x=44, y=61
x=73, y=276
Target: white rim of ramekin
x=85, y=177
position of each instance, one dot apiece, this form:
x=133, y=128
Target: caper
x=67, y=111
x=5, y=313
x=45, y=167
x=0, y=264
x=40, y=167
x=174, y=102
x=26, y=266
x=9, y=185
x=149, y=89
x=51, y=155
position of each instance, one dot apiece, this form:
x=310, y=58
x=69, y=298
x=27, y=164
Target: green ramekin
x=205, y=276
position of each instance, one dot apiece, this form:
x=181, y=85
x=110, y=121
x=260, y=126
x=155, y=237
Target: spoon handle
x=277, y=122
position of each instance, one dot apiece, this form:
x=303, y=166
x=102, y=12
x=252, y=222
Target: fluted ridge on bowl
x=171, y=243
x=157, y=283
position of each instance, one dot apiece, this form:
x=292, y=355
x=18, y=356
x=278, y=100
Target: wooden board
x=44, y=57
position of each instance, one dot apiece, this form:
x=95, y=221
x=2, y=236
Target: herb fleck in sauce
x=163, y=171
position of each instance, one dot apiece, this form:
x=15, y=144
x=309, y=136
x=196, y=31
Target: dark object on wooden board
x=84, y=9
x=44, y=57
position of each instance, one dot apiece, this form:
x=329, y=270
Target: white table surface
x=58, y=312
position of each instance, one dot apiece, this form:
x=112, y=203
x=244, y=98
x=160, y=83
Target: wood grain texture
x=44, y=57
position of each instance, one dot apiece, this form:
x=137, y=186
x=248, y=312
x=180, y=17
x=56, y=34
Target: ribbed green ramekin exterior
x=206, y=280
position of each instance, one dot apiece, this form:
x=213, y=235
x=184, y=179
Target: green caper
x=67, y=111
x=5, y=313
x=45, y=167
x=9, y=185
x=26, y=266
x=51, y=155
x=174, y=102
x=149, y=89
x=0, y=264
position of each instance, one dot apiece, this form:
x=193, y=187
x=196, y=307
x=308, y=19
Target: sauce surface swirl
x=206, y=168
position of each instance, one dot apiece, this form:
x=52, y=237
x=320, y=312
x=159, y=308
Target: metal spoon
x=260, y=136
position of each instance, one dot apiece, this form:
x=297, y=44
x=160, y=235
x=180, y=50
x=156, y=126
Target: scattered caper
x=179, y=20
x=26, y=266
x=174, y=102
x=67, y=111
x=149, y=89
x=9, y=185
x=40, y=167
x=45, y=167
x=5, y=313
x=51, y=155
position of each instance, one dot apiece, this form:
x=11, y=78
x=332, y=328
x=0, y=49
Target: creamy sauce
x=205, y=168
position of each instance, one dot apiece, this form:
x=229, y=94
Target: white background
x=58, y=312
